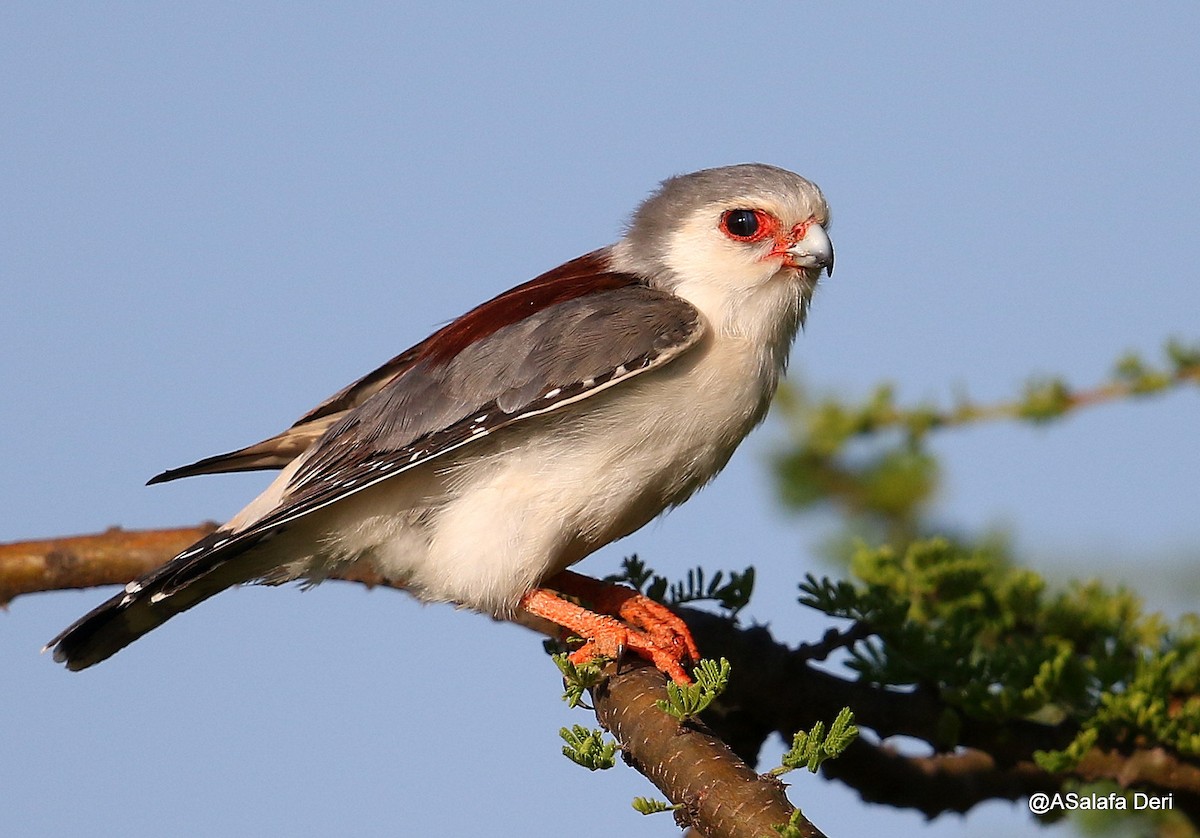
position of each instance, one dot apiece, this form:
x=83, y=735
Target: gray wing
x=581, y=277
x=553, y=358
x=460, y=388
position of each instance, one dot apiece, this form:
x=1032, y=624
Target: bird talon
x=635, y=624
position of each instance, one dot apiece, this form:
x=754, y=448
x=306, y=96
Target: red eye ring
x=747, y=225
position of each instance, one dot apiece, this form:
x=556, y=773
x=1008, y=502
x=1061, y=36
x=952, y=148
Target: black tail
x=211, y=565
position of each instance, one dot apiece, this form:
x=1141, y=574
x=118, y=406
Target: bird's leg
x=663, y=625
x=627, y=620
x=605, y=636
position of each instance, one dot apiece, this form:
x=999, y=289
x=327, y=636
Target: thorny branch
x=776, y=689
x=721, y=796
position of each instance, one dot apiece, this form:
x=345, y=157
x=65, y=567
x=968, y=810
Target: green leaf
x=688, y=702
x=732, y=595
x=812, y=747
x=650, y=806
x=577, y=679
x=588, y=748
x=1045, y=400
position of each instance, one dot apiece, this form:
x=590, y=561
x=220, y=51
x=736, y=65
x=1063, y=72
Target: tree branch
x=112, y=557
x=721, y=796
x=775, y=690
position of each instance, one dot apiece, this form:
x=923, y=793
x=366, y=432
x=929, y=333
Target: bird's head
x=737, y=238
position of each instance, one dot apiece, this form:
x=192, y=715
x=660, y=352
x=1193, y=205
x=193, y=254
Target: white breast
x=517, y=508
x=483, y=525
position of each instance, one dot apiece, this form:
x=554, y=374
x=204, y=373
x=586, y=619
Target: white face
x=745, y=242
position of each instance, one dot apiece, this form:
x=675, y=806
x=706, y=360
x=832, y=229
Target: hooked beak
x=814, y=250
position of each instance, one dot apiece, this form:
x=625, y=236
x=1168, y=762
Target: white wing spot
x=589, y=383
x=158, y=597
x=219, y=542
x=620, y=370
x=553, y=393
x=481, y=418
x=133, y=587
x=414, y=457
x=479, y=430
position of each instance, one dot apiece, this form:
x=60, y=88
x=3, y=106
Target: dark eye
x=741, y=223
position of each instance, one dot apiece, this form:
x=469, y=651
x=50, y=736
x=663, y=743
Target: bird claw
x=613, y=641
x=627, y=621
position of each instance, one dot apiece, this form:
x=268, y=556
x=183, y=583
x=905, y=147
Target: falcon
x=479, y=465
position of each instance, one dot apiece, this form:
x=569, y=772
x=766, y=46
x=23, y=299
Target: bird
x=479, y=465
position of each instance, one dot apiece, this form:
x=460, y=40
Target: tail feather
x=216, y=562
x=273, y=453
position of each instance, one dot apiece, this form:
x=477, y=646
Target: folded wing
x=539, y=348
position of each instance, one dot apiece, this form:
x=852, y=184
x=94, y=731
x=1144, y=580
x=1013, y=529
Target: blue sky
x=214, y=216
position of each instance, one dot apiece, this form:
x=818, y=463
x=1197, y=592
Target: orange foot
x=645, y=627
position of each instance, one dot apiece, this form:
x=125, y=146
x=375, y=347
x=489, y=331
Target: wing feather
x=540, y=348
x=558, y=357
x=577, y=277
